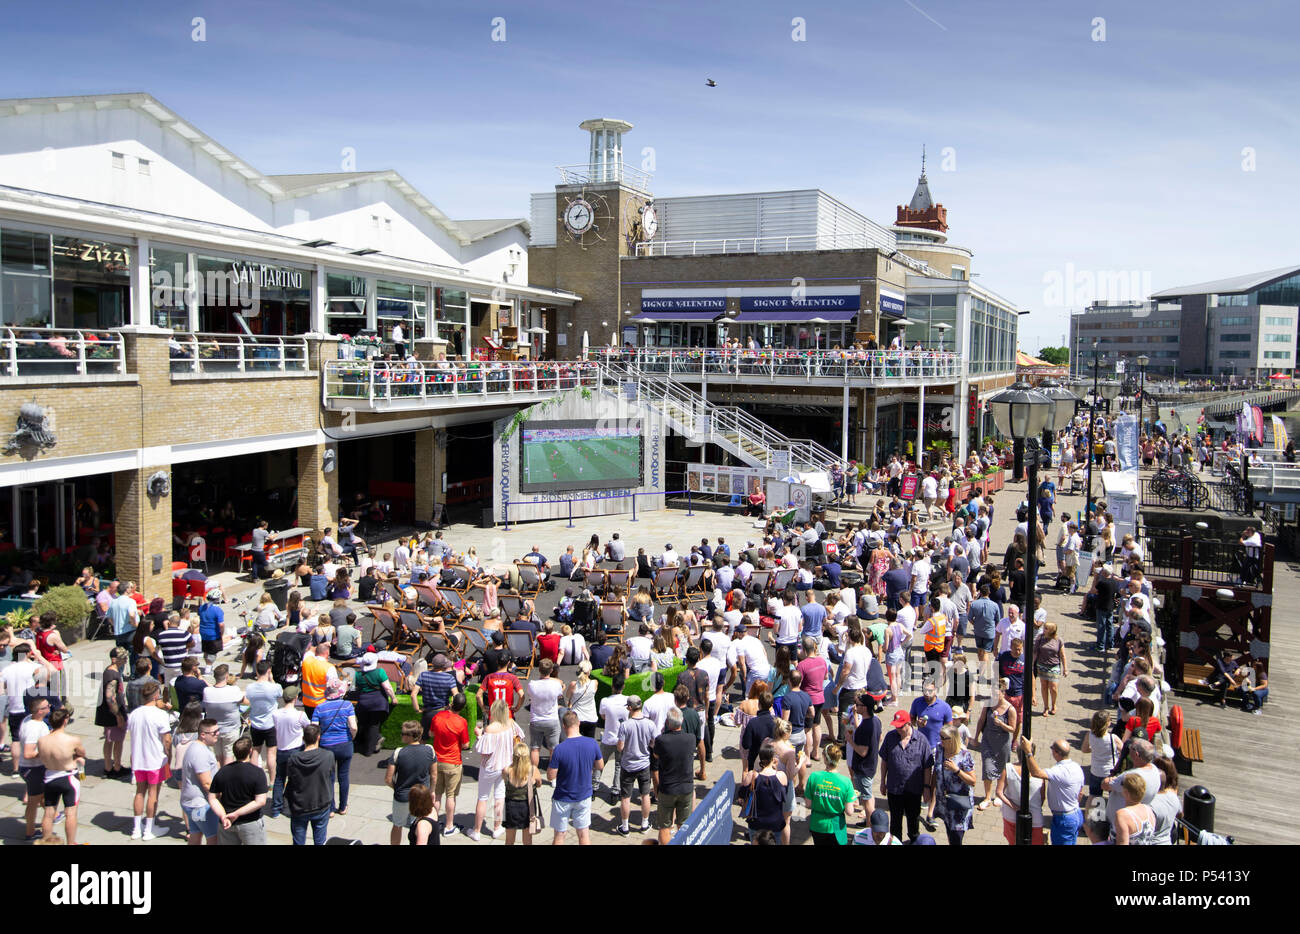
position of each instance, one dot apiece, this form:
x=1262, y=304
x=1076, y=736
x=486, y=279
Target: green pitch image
x=594, y=461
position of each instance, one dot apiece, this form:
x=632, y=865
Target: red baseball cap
x=901, y=718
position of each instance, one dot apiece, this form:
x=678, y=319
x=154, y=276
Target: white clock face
x=650, y=222
x=579, y=217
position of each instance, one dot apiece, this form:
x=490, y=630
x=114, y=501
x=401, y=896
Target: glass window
x=270, y=298
x=1277, y=338
x=92, y=283
x=451, y=313
x=1238, y=338
x=25, y=286
x=346, y=297
x=1283, y=292
x=400, y=303
x=168, y=271
x=1277, y=355
x=1234, y=354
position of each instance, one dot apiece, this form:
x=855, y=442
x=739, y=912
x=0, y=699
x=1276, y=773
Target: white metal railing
x=54, y=352
x=1274, y=476
x=798, y=243
x=593, y=173
x=876, y=366
x=450, y=381
x=211, y=354
x=754, y=441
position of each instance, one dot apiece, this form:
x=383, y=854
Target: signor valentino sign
x=705, y=303
x=796, y=302
x=267, y=277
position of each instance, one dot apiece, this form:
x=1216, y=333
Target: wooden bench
x=1196, y=679
x=1191, y=749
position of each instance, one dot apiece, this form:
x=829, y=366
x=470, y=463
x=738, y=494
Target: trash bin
x=1198, y=807
x=279, y=591
x=488, y=519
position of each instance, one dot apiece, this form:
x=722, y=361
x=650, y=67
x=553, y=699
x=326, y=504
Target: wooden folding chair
x=694, y=585
x=761, y=579
x=596, y=579
x=665, y=585
x=476, y=642
x=428, y=597
x=385, y=624
x=452, y=606
x=530, y=578
x=510, y=604
x=396, y=677
x=478, y=593
x=438, y=642
x=781, y=579
x=393, y=590
x=519, y=642
x=620, y=579
x=611, y=620
x=461, y=576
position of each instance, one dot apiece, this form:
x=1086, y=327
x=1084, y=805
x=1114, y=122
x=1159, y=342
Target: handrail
x=381, y=381
x=877, y=366
x=54, y=352
x=209, y=353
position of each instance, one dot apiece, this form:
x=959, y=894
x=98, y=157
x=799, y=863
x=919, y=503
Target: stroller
x=286, y=663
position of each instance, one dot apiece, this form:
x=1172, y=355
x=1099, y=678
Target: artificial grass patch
x=403, y=710
x=641, y=684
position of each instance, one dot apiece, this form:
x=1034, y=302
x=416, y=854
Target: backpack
x=286, y=663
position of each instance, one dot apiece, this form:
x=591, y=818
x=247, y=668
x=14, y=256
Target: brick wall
x=143, y=529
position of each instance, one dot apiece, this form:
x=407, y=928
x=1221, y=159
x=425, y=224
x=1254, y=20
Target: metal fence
x=210, y=354
x=54, y=352
x=1193, y=559
x=876, y=366
x=446, y=381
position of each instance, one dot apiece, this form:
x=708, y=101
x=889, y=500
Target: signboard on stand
x=710, y=824
x=910, y=483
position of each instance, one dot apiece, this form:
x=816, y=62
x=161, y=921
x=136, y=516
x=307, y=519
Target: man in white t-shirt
x=639, y=648
x=150, y=731
x=26, y=738
x=613, y=710
x=670, y=558
x=1011, y=627
x=852, y=678
x=544, y=721
x=843, y=608
x=929, y=493
x=789, y=624
x=659, y=703
x=288, y=721
x=749, y=650
x=19, y=676
x=920, y=570
x=221, y=702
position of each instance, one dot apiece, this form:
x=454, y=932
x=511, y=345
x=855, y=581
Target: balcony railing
x=50, y=353
x=446, y=382
x=201, y=354
x=877, y=366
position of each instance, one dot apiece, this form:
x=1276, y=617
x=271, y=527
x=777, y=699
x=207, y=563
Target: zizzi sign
x=793, y=302
x=267, y=277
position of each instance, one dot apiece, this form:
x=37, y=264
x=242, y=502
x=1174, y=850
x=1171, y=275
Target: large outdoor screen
x=579, y=455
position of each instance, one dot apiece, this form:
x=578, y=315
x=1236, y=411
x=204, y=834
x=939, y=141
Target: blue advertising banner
x=710, y=823
x=792, y=302
x=1126, y=441
x=685, y=303
x=889, y=303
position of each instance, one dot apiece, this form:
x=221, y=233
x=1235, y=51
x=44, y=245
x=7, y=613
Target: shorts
x=674, y=809
x=934, y=655
x=65, y=788
x=895, y=659
x=814, y=712
x=225, y=747
x=576, y=812
x=263, y=737
x=34, y=776
x=151, y=776
x=212, y=646
x=514, y=815
x=114, y=734
x=401, y=814
x=864, y=785
x=544, y=734
x=202, y=819
x=985, y=645
x=491, y=785
x=640, y=778
x=448, y=780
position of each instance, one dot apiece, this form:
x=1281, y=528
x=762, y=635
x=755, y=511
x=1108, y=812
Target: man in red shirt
x=450, y=735
x=501, y=685
x=548, y=644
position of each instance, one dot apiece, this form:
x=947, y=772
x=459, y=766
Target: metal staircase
x=729, y=427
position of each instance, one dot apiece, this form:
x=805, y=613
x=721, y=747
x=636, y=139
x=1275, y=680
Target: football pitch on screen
x=596, y=462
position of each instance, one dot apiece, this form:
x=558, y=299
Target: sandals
x=983, y=805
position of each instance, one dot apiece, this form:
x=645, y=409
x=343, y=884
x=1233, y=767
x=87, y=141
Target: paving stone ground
x=106, y=804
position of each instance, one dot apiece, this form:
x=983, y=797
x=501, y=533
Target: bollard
x=633, y=507
x=688, y=503
x=570, y=513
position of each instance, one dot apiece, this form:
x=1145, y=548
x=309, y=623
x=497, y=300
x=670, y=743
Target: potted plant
x=70, y=604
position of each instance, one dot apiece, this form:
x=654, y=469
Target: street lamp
x=1023, y=413
x=817, y=331
x=1142, y=362
x=647, y=324
x=1064, y=412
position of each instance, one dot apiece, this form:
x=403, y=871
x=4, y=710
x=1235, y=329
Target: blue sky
x=1067, y=156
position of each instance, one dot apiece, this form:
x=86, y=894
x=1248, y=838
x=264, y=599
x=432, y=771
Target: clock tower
x=603, y=212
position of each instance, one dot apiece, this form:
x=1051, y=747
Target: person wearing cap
x=375, y=699
x=906, y=773
x=877, y=834
x=287, y=721
x=433, y=690
x=636, y=735
x=111, y=712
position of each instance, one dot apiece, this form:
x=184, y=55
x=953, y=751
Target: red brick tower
x=921, y=211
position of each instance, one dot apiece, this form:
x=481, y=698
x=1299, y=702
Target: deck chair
x=393, y=590
x=596, y=579
x=452, y=606
x=428, y=597
x=461, y=576
x=438, y=642
x=781, y=579
x=530, y=578
x=396, y=677
x=475, y=644
x=761, y=579
x=510, y=604
x=479, y=594
x=519, y=643
x=385, y=624
x=665, y=585
x=611, y=619
x=620, y=579
x=694, y=585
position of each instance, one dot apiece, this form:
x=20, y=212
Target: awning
x=671, y=317
x=803, y=316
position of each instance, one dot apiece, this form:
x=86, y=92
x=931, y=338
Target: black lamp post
x=1065, y=401
x=1109, y=389
x=1023, y=413
x=1142, y=362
